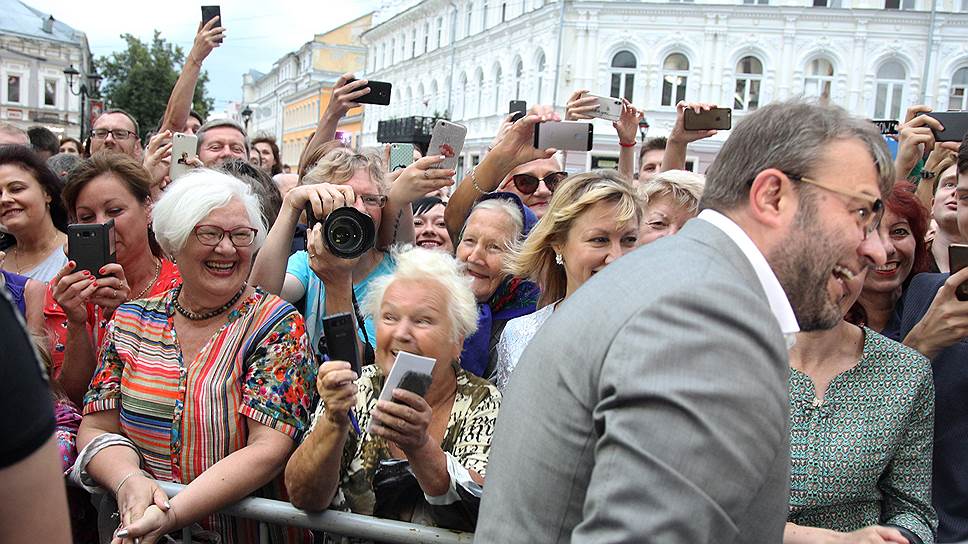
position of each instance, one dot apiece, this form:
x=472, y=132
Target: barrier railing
x=330, y=521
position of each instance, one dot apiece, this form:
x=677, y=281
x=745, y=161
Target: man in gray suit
x=652, y=406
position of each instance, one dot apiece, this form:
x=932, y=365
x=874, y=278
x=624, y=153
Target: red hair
x=905, y=204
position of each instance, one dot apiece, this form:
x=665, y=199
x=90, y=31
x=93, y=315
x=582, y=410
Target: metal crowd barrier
x=267, y=511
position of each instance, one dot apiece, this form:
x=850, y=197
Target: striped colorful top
x=185, y=416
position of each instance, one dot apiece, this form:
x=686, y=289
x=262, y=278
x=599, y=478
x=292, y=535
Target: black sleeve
x=26, y=406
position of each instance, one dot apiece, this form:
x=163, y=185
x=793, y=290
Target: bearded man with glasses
x=116, y=130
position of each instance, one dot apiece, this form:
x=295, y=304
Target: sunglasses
x=528, y=184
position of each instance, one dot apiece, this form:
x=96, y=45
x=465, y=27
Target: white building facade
x=469, y=58
x=34, y=51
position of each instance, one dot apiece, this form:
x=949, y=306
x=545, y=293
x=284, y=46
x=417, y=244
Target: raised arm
x=209, y=37
x=626, y=127
x=412, y=183
x=674, y=157
x=340, y=103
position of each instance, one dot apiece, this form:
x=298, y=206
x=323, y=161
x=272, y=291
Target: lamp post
x=643, y=129
x=94, y=80
x=246, y=117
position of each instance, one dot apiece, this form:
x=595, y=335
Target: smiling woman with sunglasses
x=534, y=182
x=593, y=220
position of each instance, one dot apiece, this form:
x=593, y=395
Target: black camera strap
x=369, y=356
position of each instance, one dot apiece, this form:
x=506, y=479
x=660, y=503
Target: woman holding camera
x=31, y=212
x=207, y=384
x=420, y=458
x=342, y=178
x=593, y=220
x=78, y=306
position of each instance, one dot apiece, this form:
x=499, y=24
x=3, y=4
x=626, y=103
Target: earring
x=558, y=260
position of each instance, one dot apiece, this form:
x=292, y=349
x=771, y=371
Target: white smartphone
x=564, y=135
x=401, y=156
x=447, y=140
x=184, y=148
x=609, y=108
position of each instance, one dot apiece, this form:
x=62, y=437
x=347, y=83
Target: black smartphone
x=958, y=259
x=518, y=108
x=955, y=125
x=91, y=246
x=210, y=12
x=714, y=119
x=415, y=382
x=888, y=127
x=339, y=330
x=379, y=93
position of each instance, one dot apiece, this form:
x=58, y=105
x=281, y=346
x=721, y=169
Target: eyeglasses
x=868, y=218
x=374, y=201
x=528, y=184
x=211, y=235
x=118, y=133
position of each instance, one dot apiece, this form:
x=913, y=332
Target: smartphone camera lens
x=349, y=233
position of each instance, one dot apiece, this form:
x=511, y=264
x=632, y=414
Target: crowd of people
x=773, y=351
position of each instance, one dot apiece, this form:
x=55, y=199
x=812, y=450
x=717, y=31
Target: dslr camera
x=347, y=231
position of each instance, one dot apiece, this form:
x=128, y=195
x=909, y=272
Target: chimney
x=49, y=24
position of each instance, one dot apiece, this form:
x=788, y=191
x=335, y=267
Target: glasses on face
x=528, y=184
x=374, y=201
x=211, y=235
x=868, y=218
x=118, y=133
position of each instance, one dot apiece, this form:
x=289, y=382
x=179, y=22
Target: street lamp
x=643, y=128
x=94, y=79
x=246, y=117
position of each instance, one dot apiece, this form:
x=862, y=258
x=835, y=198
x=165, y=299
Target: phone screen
x=209, y=13
x=958, y=259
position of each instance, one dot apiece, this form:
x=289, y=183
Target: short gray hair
x=62, y=163
x=789, y=136
x=425, y=266
x=193, y=196
x=506, y=206
x=683, y=186
x=218, y=123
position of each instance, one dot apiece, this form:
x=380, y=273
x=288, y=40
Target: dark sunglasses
x=528, y=184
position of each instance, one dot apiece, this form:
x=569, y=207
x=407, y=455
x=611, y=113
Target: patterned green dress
x=863, y=456
x=468, y=437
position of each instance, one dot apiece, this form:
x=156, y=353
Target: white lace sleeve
x=516, y=336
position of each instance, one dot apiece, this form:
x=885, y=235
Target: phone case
x=609, y=108
x=714, y=119
x=519, y=108
x=888, y=127
x=447, y=140
x=91, y=245
x=564, y=135
x=955, y=125
x=958, y=259
x=415, y=382
x=184, y=147
x=339, y=330
x=401, y=156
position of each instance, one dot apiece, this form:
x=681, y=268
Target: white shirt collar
x=775, y=295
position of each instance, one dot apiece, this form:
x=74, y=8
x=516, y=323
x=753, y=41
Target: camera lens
x=349, y=233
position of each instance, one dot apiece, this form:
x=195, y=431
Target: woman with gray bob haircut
x=421, y=458
x=217, y=366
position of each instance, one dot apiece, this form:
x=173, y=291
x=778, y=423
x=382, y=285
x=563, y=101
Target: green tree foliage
x=140, y=79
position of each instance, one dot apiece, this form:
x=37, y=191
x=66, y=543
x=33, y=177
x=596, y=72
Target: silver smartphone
x=184, y=148
x=447, y=140
x=564, y=135
x=401, y=156
x=609, y=108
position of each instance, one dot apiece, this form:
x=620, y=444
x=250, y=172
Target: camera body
x=348, y=232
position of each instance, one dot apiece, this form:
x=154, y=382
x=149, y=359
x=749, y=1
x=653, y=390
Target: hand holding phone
x=447, y=140
x=711, y=119
x=954, y=123
x=211, y=12
x=564, y=135
x=957, y=260
x=91, y=246
x=184, y=151
x=379, y=93
x=517, y=109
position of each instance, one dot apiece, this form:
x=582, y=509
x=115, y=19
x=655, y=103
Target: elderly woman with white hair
x=207, y=384
x=423, y=459
x=670, y=198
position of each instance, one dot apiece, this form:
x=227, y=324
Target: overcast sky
x=258, y=31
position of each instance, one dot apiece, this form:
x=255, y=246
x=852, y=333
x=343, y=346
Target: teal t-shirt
x=315, y=307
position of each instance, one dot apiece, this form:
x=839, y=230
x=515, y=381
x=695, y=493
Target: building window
x=959, y=84
x=383, y=53
x=827, y=3
x=484, y=17
x=462, y=100
x=762, y=2
x=675, y=76
x=413, y=43
x=50, y=92
x=426, y=37
x=479, y=104
x=504, y=11
x=749, y=77
x=497, y=88
x=623, y=75
x=539, y=75
x=467, y=21
x=393, y=51
x=518, y=72
x=891, y=80
x=440, y=31
x=819, y=80
x=899, y=4
x=13, y=88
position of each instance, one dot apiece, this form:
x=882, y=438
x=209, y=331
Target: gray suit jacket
x=651, y=407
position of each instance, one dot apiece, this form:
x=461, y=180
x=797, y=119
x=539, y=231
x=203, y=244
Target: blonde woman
x=670, y=199
x=592, y=220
